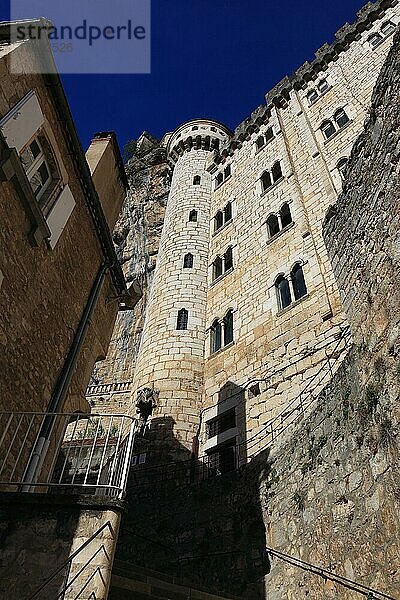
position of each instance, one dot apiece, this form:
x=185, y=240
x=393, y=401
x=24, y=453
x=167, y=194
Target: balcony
x=62, y=453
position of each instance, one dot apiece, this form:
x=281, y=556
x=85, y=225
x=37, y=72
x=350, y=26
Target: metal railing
x=70, y=453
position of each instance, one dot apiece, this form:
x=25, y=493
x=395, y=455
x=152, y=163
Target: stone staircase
x=136, y=583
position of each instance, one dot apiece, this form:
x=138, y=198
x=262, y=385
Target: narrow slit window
x=182, y=320
x=188, y=261
x=193, y=216
x=227, y=171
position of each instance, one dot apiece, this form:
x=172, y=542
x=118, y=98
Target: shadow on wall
x=198, y=519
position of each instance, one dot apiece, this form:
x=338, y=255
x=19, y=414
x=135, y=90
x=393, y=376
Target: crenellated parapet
x=198, y=134
x=329, y=52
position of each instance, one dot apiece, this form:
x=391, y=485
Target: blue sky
x=210, y=58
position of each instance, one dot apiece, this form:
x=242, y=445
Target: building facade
x=244, y=323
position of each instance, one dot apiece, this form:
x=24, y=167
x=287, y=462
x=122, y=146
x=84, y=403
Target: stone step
x=136, y=583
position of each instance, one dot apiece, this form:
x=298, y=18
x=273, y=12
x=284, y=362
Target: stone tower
x=171, y=356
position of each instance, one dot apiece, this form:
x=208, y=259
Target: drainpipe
x=57, y=401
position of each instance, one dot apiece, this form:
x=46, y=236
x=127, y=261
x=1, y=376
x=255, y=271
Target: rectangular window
x=221, y=423
x=224, y=459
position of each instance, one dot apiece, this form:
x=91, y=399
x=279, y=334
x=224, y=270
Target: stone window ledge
x=217, y=352
x=217, y=231
x=271, y=187
x=339, y=131
x=221, y=277
x=292, y=305
x=281, y=232
x=11, y=170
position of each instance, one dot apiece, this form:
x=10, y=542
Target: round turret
x=171, y=357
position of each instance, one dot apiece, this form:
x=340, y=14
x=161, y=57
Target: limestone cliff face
x=137, y=236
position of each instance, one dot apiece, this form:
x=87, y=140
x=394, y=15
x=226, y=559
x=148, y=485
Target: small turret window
x=182, y=320
x=193, y=216
x=196, y=180
x=188, y=261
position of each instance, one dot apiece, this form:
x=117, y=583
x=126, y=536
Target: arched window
x=219, y=179
x=328, y=129
x=228, y=259
x=341, y=166
x=312, y=96
x=228, y=212
x=260, y=142
x=341, y=117
x=269, y=134
x=283, y=292
x=323, y=86
x=227, y=171
x=374, y=40
x=215, y=336
x=277, y=171
x=182, y=320
x=193, y=216
x=299, y=284
x=286, y=216
x=387, y=28
x=228, y=327
x=217, y=268
x=196, y=180
x=266, y=180
x=272, y=225
x=218, y=220
x=188, y=261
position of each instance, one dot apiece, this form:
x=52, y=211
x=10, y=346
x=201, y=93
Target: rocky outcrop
x=137, y=236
